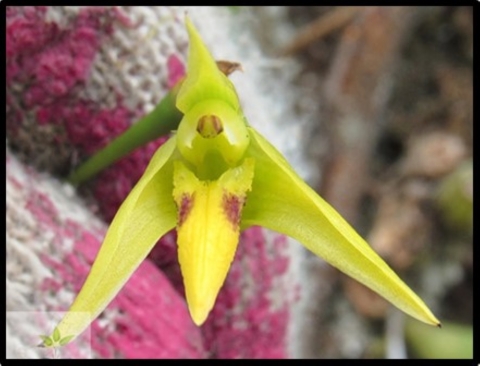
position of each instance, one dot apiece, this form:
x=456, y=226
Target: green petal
x=204, y=80
x=213, y=123
x=56, y=334
x=146, y=214
x=280, y=200
x=48, y=342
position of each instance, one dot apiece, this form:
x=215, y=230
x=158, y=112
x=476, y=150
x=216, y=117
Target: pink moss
x=42, y=208
x=49, y=63
x=176, y=70
x=244, y=322
x=51, y=285
x=50, y=59
x=164, y=255
x=123, y=18
x=113, y=185
x=151, y=324
x=149, y=319
x=169, y=332
x=61, y=66
x=26, y=34
x=15, y=182
x=90, y=130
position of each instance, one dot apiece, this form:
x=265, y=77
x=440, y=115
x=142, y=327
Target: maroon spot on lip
x=184, y=208
x=232, y=206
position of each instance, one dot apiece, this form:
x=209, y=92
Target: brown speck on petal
x=184, y=208
x=232, y=206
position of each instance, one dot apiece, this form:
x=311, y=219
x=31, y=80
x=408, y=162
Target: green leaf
x=48, y=342
x=148, y=212
x=282, y=201
x=56, y=335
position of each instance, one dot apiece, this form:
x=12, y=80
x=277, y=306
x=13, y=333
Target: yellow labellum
x=208, y=229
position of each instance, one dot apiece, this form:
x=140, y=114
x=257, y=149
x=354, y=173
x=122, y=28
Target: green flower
x=215, y=177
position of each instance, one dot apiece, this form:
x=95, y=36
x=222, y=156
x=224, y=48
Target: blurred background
x=394, y=146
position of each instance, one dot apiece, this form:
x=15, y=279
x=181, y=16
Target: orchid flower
x=213, y=178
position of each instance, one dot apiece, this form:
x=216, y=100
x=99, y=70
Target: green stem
x=161, y=121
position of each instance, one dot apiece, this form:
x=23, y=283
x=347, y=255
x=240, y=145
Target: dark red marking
x=232, y=206
x=186, y=205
